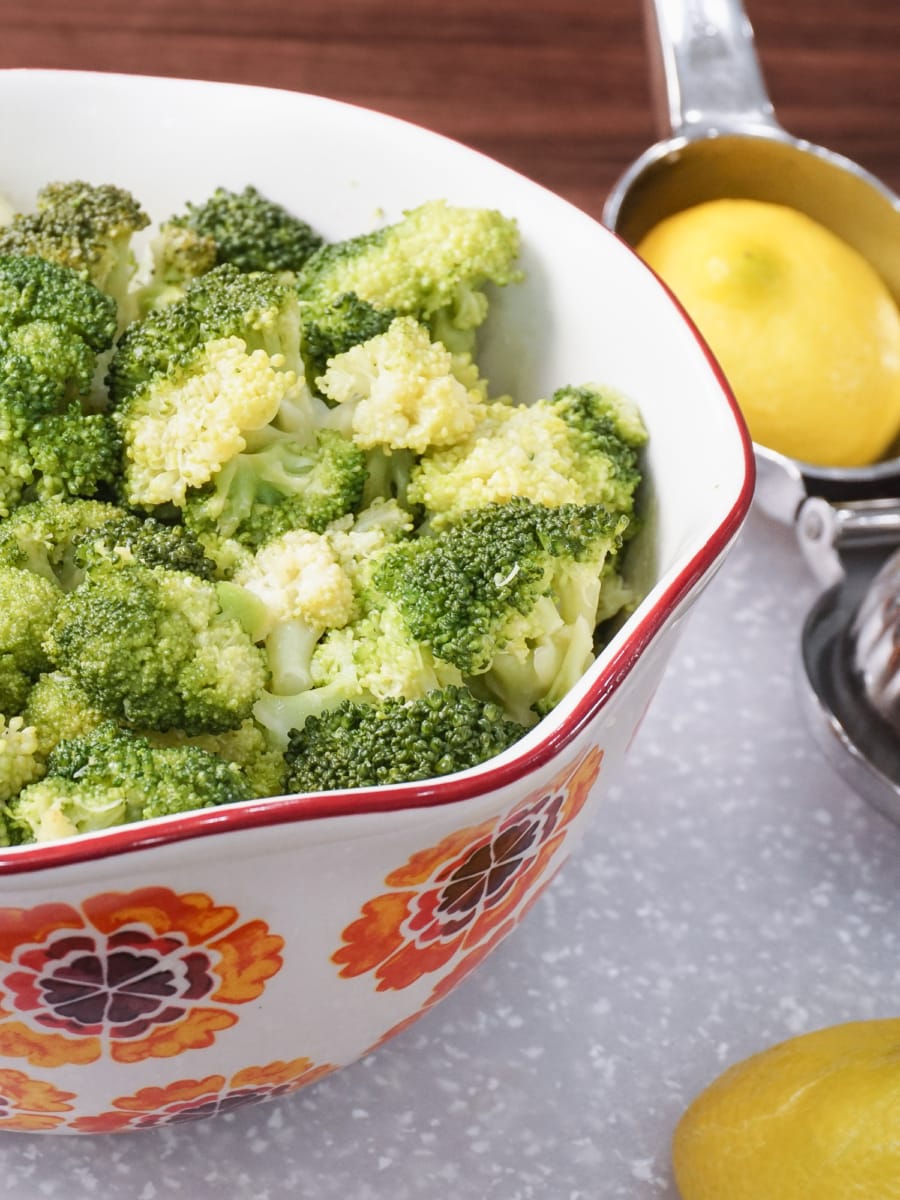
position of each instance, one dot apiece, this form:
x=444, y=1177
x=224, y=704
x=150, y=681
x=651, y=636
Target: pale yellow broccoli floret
x=515, y=451
x=297, y=575
x=580, y=447
x=403, y=391
x=303, y=590
x=20, y=762
x=191, y=425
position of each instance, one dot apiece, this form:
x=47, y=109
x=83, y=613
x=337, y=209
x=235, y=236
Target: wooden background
x=558, y=89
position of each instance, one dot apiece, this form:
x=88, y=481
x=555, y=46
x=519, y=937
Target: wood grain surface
x=558, y=89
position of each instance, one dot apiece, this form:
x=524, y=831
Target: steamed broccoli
x=177, y=255
x=347, y=641
x=111, y=776
x=398, y=391
x=580, y=447
x=250, y=231
x=127, y=538
x=154, y=648
x=365, y=745
x=53, y=327
x=192, y=381
x=433, y=265
x=277, y=534
x=58, y=709
x=86, y=227
x=42, y=536
x=18, y=767
x=278, y=483
x=28, y=604
x=508, y=594
x=333, y=327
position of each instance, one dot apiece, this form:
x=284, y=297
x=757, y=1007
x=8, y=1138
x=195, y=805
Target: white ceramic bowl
x=186, y=965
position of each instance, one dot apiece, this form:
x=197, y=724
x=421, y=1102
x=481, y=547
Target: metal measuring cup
x=721, y=139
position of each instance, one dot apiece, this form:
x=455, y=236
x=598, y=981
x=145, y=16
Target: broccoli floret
x=41, y=536
x=302, y=590
x=509, y=593
x=398, y=391
x=250, y=231
x=580, y=447
x=279, y=483
x=112, y=776
x=247, y=747
x=433, y=265
x=19, y=765
x=82, y=226
x=128, y=539
x=193, y=380
x=177, y=256
x=153, y=648
x=28, y=605
x=53, y=325
x=333, y=327
x=260, y=309
x=348, y=642
x=58, y=709
x=75, y=454
x=366, y=745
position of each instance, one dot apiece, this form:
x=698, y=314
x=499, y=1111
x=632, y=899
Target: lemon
x=804, y=329
x=813, y=1118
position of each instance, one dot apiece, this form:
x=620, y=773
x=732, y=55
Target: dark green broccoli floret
x=253, y=233
x=153, y=648
x=397, y=741
x=41, y=536
x=510, y=593
x=334, y=327
x=131, y=539
x=53, y=324
x=75, y=454
x=83, y=226
x=28, y=604
x=111, y=776
x=279, y=483
x=433, y=265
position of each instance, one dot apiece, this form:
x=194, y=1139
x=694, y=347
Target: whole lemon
x=803, y=327
x=813, y=1118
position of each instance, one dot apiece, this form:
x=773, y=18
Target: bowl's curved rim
x=283, y=810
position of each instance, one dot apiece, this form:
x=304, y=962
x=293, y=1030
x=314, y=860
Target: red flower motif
x=194, y=1099
x=136, y=975
x=467, y=892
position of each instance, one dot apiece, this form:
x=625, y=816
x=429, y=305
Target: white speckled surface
x=732, y=892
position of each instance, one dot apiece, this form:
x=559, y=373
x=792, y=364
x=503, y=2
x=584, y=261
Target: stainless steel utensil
x=720, y=138
x=850, y=678
x=875, y=634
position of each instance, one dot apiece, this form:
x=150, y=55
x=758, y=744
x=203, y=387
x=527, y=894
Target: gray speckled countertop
x=732, y=892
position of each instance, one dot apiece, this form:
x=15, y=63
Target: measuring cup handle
x=705, y=72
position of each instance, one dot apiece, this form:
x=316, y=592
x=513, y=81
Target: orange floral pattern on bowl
x=131, y=975
x=462, y=896
x=195, y=1099
x=30, y=1105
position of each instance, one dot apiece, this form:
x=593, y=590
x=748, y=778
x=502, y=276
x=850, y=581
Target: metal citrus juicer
x=720, y=138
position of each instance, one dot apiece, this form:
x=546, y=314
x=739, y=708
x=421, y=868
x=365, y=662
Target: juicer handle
x=705, y=73
x=825, y=529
